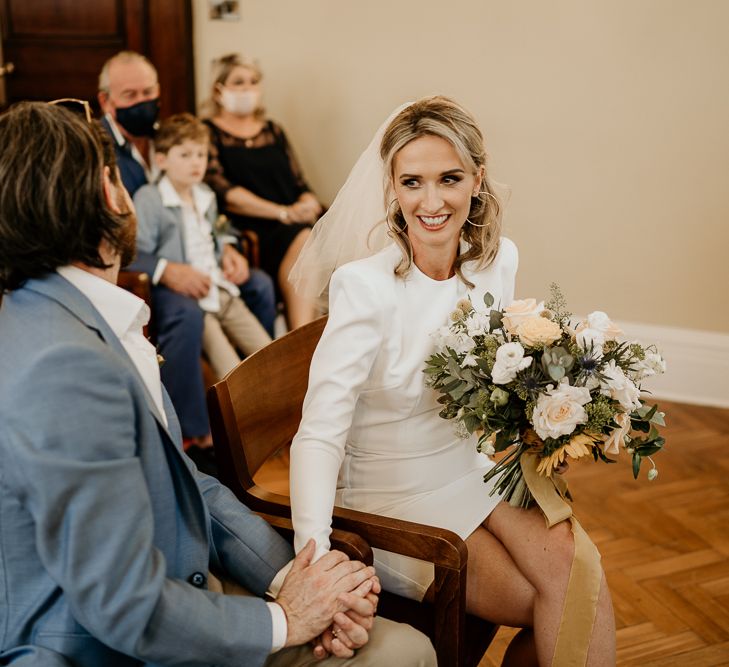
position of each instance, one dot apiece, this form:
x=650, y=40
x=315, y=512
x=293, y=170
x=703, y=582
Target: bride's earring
x=476, y=195
x=394, y=229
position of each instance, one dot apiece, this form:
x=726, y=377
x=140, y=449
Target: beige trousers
x=233, y=326
x=390, y=643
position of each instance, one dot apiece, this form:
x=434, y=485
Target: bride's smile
x=434, y=191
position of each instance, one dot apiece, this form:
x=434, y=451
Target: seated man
x=108, y=530
x=129, y=97
x=177, y=225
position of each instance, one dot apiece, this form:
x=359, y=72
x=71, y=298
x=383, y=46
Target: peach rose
x=519, y=310
x=537, y=330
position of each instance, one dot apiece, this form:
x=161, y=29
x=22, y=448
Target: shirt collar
x=202, y=196
x=121, y=309
x=115, y=131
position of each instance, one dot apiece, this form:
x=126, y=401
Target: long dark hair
x=53, y=210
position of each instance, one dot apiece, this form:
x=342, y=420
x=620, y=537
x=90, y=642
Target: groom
x=108, y=531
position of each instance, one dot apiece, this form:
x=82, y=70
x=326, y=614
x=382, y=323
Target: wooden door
x=55, y=48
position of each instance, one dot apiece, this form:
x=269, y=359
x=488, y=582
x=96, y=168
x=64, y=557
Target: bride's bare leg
x=498, y=591
x=544, y=557
x=299, y=310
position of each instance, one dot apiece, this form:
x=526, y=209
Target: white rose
x=459, y=342
x=469, y=360
x=462, y=343
x=477, y=324
x=620, y=387
x=617, y=436
x=519, y=310
x=509, y=361
x=595, y=330
x=652, y=364
x=560, y=410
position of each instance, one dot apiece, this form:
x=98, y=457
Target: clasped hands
x=189, y=281
x=332, y=602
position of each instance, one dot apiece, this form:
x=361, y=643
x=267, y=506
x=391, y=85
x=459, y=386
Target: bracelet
x=283, y=214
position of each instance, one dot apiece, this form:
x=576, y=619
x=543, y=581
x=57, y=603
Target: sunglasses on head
x=75, y=106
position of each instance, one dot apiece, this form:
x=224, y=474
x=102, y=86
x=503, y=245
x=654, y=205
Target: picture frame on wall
x=224, y=10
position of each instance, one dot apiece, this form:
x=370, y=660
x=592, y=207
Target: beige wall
x=609, y=119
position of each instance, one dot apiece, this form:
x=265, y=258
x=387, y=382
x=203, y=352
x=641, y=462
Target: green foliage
x=557, y=304
x=600, y=414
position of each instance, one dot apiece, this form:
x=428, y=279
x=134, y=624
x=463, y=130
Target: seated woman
x=257, y=179
x=370, y=436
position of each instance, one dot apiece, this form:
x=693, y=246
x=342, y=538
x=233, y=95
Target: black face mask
x=139, y=119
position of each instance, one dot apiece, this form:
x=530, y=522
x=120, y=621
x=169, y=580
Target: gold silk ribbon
x=583, y=588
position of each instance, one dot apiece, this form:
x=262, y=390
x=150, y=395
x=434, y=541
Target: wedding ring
x=335, y=632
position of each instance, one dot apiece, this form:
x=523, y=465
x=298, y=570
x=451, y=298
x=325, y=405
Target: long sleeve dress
x=370, y=436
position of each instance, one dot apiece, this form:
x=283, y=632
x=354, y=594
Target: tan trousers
x=390, y=643
x=233, y=326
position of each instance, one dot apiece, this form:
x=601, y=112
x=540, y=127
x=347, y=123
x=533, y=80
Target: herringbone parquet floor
x=664, y=545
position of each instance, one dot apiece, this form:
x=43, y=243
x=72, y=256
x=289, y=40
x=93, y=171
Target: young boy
x=177, y=224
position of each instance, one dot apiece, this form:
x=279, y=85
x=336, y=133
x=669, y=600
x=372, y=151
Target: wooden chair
x=255, y=412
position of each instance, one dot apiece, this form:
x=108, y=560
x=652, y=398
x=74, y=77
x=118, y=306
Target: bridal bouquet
x=529, y=380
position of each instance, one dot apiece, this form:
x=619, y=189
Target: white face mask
x=240, y=102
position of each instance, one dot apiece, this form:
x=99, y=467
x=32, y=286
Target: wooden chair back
x=255, y=411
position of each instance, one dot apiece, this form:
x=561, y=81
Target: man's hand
x=235, y=266
x=311, y=595
x=185, y=280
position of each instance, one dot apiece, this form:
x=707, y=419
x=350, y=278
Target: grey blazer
x=107, y=530
x=160, y=229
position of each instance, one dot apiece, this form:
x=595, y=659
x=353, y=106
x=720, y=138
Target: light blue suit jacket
x=105, y=525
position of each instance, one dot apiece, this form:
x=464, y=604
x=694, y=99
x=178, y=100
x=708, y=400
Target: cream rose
x=519, y=310
x=560, y=410
x=538, y=331
x=617, y=436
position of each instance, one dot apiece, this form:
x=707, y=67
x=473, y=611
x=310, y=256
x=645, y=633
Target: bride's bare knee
x=559, y=550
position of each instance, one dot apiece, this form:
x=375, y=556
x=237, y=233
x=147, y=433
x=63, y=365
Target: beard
x=127, y=244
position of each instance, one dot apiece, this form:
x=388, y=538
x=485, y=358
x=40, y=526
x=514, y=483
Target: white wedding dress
x=370, y=436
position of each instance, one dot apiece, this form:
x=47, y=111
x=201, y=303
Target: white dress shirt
x=126, y=315
x=198, y=239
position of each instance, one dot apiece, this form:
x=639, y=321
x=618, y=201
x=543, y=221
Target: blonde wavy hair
x=222, y=67
x=442, y=117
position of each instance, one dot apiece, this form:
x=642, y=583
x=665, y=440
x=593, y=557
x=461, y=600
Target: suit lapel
x=60, y=290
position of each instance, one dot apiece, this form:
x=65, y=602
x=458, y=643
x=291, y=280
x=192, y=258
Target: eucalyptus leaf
x=496, y=319
x=658, y=419
x=556, y=372
x=488, y=299
x=636, y=464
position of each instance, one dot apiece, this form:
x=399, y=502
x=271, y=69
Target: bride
x=370, y=437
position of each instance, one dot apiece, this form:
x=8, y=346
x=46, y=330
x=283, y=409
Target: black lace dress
x=265, y=165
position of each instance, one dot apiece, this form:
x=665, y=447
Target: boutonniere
x=221, y=223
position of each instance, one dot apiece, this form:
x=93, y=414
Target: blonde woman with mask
x=257, y=179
